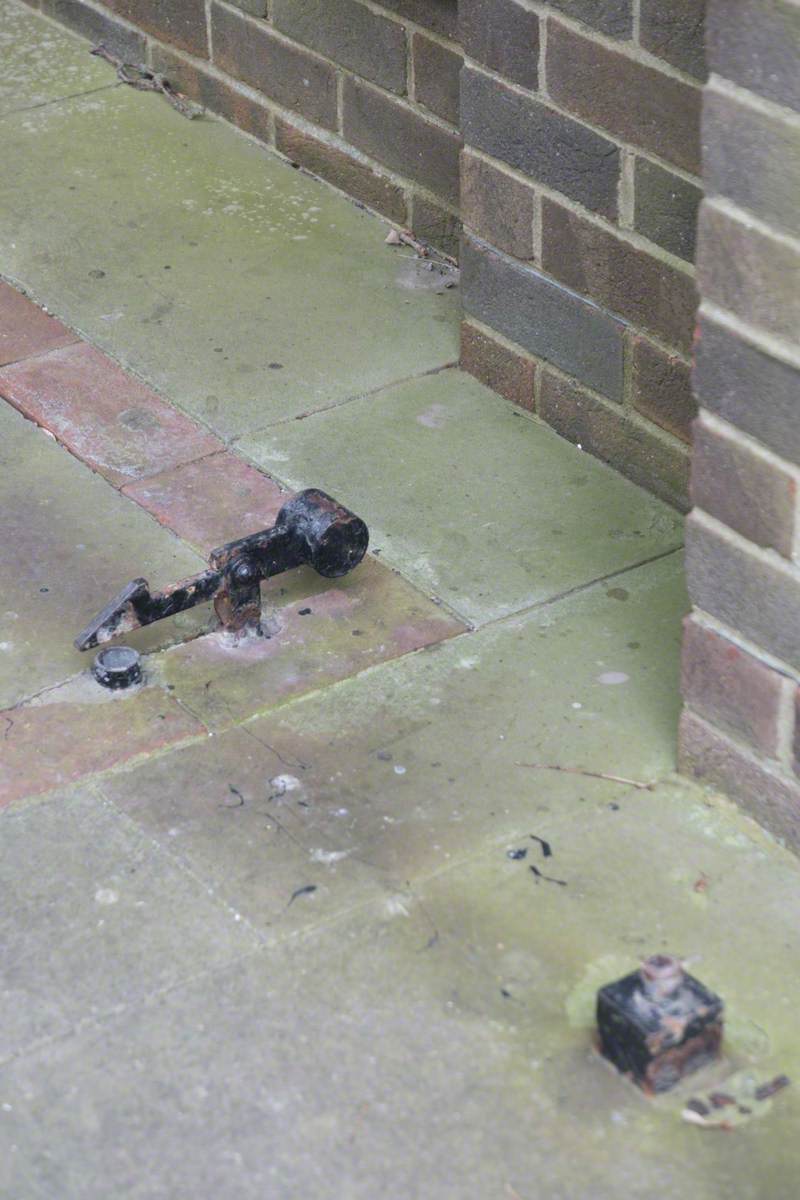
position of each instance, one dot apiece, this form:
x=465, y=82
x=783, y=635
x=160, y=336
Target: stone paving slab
x=70, y=542
x=40, y=63
x=471, y=500
x=104, y=416
x=434, y=1043
x=324, y=634
x=95, y=917
x=411, y=767
x=26, y=329
x=265, y=294
x=211, y=502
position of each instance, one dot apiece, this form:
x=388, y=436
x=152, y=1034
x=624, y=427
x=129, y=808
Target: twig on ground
x=635, y=783
x=145, y=80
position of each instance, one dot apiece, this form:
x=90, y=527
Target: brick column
x=742, y=646
x=580, y=189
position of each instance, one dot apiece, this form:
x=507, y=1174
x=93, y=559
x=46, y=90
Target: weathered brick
x=639, y=453
x=768, y=795
x=665, y=208
x=99, y=27
x=26, y=329
x=439, y=15
x=752, y=274
x=675, y=31
x=635, y=102
x=497, y=207
x=338, y=168
x=508, y=372
x=617, y=275
x=249, y=50
x=203, y=87
x=506, y=39
x=180, y=22
x=349, y=33
x=550, y=147
x=612, y=17
x=661, y=388
x=401, y=139
x=752, y=158
x=542, y=317
x=749, y=589
x=731, y=688
x=104, y=416
x=745, y=487
x=435, y=225
x=756, y=43
x=436, y=77
x=751, y=389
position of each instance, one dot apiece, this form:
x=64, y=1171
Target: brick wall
x=580, y=190
x=740, y=728
x=362, y=94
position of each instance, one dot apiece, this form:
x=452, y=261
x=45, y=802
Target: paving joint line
x=13, y=112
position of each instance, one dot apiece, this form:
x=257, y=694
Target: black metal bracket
x=311, y=528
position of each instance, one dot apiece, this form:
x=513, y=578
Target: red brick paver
x=26, y=329
x=104, y=416
x=51, y=745
x=212, y=501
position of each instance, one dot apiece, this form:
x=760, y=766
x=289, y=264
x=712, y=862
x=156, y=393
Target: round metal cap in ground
x=117, y=667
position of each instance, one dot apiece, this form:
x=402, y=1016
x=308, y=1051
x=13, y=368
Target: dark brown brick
x=436, y=77
x=401, y=139
x=731, y=688
x=338, y=168
x=497, y=207
x=713, y=758
x=643, y=455
x=751, y=389
x=99, y=27
x=661, y=388
x=756, y=43
x=188, y=77
x=635, y=102
x=612, y=17
x=509, y=372
x=746, y=488
x=180, y=22
x=750, y=273
x=349, y=33
x=675, y=31
x=617, y=275
x=550, y=147
x=752, y=158
x=751, y=590
x=665, y=208
x=435, y=225
x=248, y=50
x=439, y=15
x=506, y=39
x=542, y=317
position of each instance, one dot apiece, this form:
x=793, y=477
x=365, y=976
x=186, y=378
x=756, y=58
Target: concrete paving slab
x=241, y=289
x=105, y=417
x=471, y=500
x=94, y=918
x=412, y=766
x=211, y=502
x=27, y=329
x=70, y=542
x=381, y=1055
x=342, y=627
x=40, y=63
